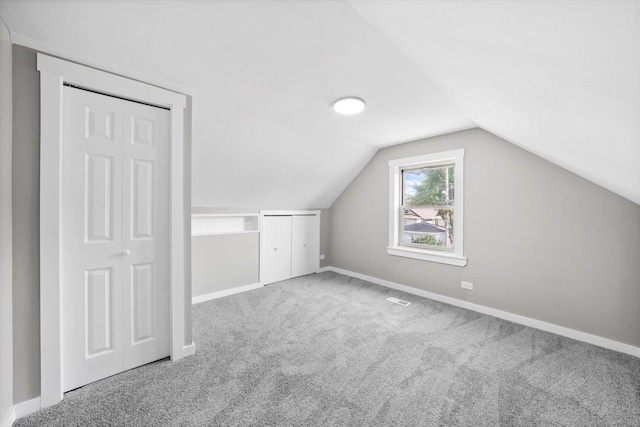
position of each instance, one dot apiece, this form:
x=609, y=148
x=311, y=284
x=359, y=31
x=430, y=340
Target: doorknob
x=126, y=252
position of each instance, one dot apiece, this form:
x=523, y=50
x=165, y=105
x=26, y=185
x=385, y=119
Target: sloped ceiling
x=561, y=79
x=558, y=78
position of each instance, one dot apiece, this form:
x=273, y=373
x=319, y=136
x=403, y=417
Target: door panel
x=276, y=232
x=142, y=199
x=142, y=296
x=99, y=317
x=99, y=198
x=303, y=245
x=100, y=123
x=91, y=245
x=115, y=241
x=145, y=234
x=142, y=131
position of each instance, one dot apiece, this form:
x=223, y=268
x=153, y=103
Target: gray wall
x=228, y=261
x=224, y=262
x=6, y=268
x=541, y=242
x=26, y=247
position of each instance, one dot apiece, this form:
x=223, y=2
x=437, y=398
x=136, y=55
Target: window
x=425, y=207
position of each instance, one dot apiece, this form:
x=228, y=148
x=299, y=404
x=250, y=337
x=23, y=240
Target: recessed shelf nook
x=221, y=224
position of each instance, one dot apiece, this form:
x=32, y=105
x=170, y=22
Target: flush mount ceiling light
x=350, y=105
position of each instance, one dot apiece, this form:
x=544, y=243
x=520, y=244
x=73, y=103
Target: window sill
x=433, y=256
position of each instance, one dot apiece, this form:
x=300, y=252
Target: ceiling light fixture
x=349, y=105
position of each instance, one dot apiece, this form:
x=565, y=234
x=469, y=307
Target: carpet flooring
x=329, y=350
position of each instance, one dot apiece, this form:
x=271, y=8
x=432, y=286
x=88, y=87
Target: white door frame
x=53, y=74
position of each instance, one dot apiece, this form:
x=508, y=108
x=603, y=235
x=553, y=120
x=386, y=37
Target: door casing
x=54, y=73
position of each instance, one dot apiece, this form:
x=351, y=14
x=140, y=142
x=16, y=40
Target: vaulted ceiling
x=558, y=78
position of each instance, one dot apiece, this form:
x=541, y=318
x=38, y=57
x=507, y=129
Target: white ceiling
x=558, y=78
x=561, y=79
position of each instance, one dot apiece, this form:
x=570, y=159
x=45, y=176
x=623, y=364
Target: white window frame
x=455, y=257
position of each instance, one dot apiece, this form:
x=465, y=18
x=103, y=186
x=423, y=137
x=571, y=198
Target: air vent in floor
x=398, y=301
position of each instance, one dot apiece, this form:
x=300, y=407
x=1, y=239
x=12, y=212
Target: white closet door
x=91, y=239
x=276, y=235
x=303, y=245
x=106, y=266
x=145, y=233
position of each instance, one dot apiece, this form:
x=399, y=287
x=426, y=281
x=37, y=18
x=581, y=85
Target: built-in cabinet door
x=303, y=245
x=115, y=241
x=276, y=236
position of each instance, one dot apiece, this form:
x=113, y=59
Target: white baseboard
x=10, y=418
x=226, y=292
x=27, y=407
x=323, y=269
x=189, y=350
x=516, y=318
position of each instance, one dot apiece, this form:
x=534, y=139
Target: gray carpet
x=328, y=350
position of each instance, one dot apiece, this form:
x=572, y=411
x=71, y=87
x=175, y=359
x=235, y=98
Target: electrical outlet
x=466, y=285
x=322, y=256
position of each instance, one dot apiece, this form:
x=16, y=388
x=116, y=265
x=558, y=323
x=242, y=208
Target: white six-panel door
x=115, y=242
x=145, y=218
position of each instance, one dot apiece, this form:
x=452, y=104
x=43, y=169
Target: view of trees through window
x=428, y=201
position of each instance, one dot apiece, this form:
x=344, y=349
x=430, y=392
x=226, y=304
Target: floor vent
x=398, y=301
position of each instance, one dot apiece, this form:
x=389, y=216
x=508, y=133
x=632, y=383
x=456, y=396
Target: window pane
x=428, y=227
x=428, y=186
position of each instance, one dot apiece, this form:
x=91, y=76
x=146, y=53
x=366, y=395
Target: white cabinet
x=276, y=257
x=289, y=244
x=303, y=245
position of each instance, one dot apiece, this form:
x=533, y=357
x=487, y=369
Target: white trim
x=456, y=257
x=10, y=418
x=226, y=215
x=53, y=74
x=323, y=269
x=317, y=248
x=516, y=318
x=427, y=158
x=225, y=293
x=102, y=81
x=27, y=407
x=189, y=350
x=20, y=410
x=287, y=213
x=435, y=256
x=52, y=49
x=223, y=233
x=50, y=230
